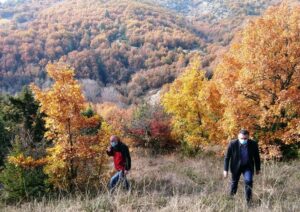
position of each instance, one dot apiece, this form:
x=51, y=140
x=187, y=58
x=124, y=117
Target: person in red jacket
x=122, y=162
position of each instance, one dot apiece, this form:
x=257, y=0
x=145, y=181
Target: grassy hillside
x=171, y=183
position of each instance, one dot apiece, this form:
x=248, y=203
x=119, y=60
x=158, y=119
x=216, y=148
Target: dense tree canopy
x=136, y=46
x=77, y=156
x=256, y=86
x=194, y=102
x=259, y=80
x=106, y=41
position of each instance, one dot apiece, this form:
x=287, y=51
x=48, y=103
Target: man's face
x=113, y=142
x=243, y=137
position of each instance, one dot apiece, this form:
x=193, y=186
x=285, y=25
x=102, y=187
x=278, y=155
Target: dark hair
x=115, y=138
x=244, y=132
x=118, y=139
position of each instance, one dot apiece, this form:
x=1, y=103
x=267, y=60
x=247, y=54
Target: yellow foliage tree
x=194, y=103
x=259, y=79
x=77, y=157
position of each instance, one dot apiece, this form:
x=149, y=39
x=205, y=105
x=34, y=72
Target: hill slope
x=135, y=46
x=106, y=41
x=171, y=183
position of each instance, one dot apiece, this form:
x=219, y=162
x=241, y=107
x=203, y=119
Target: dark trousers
x=248, y=179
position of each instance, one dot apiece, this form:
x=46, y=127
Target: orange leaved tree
x=77, y=156
x=259, y=79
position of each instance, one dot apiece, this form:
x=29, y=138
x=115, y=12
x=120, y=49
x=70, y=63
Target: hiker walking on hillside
x=242, y=156
x=122, y=162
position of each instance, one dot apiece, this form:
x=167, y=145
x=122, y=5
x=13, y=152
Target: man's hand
x=108, y=149
x=126, y=172
x=225, y=174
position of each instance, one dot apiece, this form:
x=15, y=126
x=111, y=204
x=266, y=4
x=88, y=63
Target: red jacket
x=121, y=155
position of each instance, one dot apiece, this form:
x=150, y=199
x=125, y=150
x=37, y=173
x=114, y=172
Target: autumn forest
x=171, y=79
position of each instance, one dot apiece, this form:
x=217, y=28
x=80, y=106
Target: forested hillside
x=104, y=41
x=135, y=46
x=174, y=85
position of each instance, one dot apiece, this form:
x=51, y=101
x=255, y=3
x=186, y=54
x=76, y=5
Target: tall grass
x=171, y=183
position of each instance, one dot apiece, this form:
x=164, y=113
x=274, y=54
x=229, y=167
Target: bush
x=187, y=150
x=291, y=151
x=150, y=127
x=21, y=183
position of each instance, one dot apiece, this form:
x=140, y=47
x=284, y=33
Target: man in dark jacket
x=242, y=156
x=122, y=162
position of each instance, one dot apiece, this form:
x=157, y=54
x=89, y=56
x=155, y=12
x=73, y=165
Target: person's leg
x=123, y=180
x=114, y=180
x=234, y=182
x=126, y=183
x=248, y=179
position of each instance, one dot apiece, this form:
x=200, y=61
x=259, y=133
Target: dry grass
x=171, y=183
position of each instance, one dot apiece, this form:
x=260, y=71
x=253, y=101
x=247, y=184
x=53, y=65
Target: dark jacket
x=232, y=156
x=121, y=155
